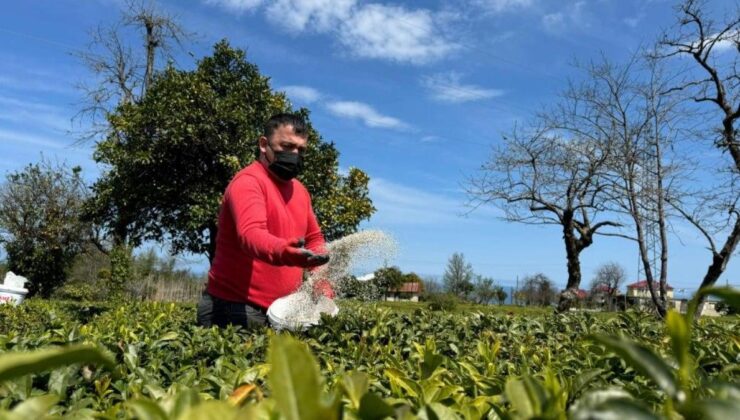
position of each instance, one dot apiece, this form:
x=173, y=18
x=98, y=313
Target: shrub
x=80, y=292
x=442, y=302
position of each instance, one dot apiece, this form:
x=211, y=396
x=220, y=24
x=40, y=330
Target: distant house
x=640, y=290
x=708, y=309
x=407, y=291
x=639, y=294
x=603, y=295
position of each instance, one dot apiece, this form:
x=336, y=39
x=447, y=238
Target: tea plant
x=148, y=360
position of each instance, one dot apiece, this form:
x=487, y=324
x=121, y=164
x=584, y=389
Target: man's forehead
x=286, y=132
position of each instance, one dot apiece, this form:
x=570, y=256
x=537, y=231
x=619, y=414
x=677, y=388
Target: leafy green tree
x=171, y=155
x=389, y=278
x=41, y=230
x=458, y=276
x=412, y=278
x=484, y=289
x=500, y=294
x=121, y=73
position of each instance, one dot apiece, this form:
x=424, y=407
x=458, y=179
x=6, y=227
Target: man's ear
x=263, y=144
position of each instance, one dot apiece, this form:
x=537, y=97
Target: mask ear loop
x=269, y=146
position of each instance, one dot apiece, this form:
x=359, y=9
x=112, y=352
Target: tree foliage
x=500, y=294
x=171, y=154
x=484, y=289
x=389, y=278
x=40, y=209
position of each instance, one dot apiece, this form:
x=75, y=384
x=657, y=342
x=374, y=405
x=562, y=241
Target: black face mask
x=286, y=165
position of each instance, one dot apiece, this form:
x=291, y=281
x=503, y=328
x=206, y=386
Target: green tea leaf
x=34, y=408
x=372, y=407
x=13, y=365
x=584, y=379
x=355, y=385
x=147, y=410
x=614, y=409
x=295, y=381
x=437, y=411
x=430, y=363
x=210, y=410
x=643, y=360
x=713, y=409
x=526, y=395
x=400, y=380
x=678, y=329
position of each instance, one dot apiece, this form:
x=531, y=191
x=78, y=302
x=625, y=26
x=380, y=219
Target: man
x=267, y=231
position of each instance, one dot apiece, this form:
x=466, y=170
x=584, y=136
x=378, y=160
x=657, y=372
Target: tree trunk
x=660, y=196
x=151, y=48
x=568, y=296
x=719, y=263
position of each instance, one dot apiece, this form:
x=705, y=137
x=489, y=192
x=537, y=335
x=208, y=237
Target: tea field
x=149, y=361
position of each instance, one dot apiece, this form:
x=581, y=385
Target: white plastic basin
x=294, y=312
x=11, y=295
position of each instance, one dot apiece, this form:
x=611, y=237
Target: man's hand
x=296, y=255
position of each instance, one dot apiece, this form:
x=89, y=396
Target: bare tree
x=609, y=277
x=712, y=82
x=122, y=72
x=538, y=290
x=642, y=124
x=554, y=172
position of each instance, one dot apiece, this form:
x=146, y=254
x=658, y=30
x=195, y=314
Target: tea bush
x=148, y=360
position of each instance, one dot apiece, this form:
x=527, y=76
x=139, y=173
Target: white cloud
x=394, y=33
x=35, y=84
x=25, y=138
x=446, y=87
x=399, y=204
x=36, y=114
x=238, y=6
x=634, y=20
x=311, y=15
x=499, y=6
x=554, y=22
x=365, y=30
x=366, y=113
x=576, y=16
x=303, y=94
x=431, y=139
x=727, y=42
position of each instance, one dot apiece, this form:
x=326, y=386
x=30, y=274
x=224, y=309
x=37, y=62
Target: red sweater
x=259, y=213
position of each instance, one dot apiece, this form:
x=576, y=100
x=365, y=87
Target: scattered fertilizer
x=350, y=253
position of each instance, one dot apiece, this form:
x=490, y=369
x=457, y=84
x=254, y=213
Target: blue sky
x=415, y=93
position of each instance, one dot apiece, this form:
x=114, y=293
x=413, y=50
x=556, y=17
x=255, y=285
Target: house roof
x=603, y=288
x=410, y=287
x=581, y=294
x=643, y=285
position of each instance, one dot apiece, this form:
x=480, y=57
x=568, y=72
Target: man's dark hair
x=277, y=120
